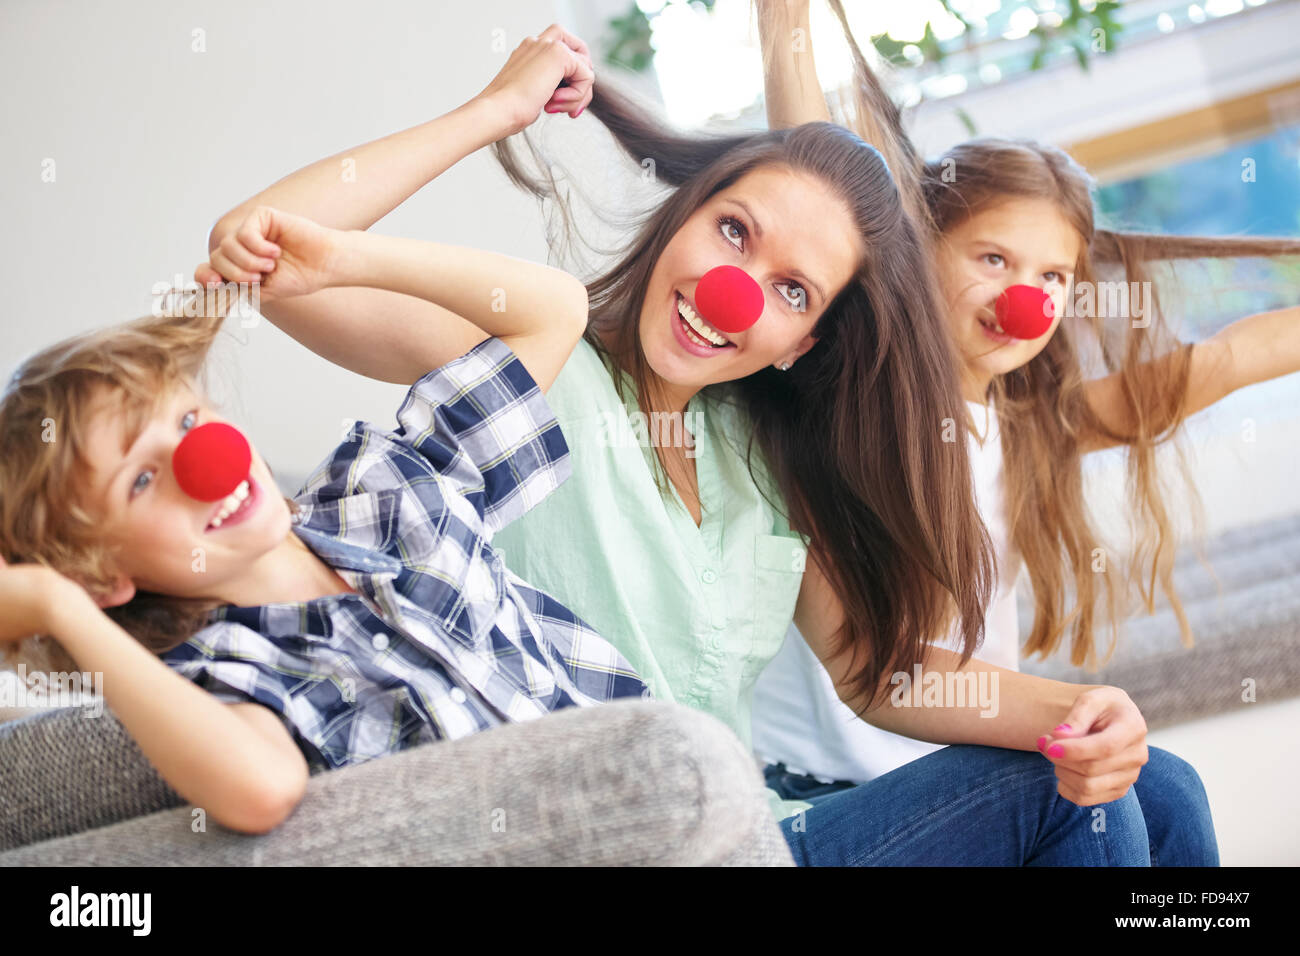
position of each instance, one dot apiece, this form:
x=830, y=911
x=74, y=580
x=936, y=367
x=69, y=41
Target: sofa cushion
x=628, y=782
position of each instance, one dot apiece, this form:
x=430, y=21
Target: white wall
x=153, y=142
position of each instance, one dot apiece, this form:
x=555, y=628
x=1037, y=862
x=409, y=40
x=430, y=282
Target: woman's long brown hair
x=1042, y=409
x=854, y=434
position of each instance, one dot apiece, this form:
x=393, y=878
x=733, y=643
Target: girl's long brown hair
x=1044, y=415
x=854, y=433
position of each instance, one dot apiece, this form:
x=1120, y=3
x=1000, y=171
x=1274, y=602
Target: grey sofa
x=633, y=782
x=626, y=783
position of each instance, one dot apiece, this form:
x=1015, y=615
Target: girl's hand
x=1099, y=748
x=297, y=255
x=28, y=592
x=552, y=71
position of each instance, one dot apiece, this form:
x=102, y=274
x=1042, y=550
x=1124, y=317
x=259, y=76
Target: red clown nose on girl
x=211, y=461
x=728, y=299
x=1025, y=311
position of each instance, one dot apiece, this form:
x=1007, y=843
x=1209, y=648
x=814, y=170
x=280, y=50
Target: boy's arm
x=235, y=761
x=1251, y=350
x=539, y=311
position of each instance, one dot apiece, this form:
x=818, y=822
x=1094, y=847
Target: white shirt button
x=380, y=641
x=458, y=695
x=708, y=576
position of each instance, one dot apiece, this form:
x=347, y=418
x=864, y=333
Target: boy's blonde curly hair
x=43, y=431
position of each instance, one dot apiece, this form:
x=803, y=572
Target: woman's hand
x=1099, y=748
x=297, y=255
x=551, y=70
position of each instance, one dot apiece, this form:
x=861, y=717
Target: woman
x=840, y=390
x=690, y=555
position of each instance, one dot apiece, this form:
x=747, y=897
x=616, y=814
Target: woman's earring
x=784, y=366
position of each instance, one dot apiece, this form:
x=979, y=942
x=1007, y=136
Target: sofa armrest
x=624, y=783
x=62, y=772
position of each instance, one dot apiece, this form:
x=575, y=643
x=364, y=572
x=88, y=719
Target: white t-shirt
x=800, y=721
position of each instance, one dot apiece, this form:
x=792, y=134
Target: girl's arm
x=790, y=86
x=1101, y=734
x=237, y=762
x=361, y=328
x=1254, y=349
x=794, y=94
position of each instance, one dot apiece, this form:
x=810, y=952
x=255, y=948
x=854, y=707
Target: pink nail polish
x=1055, y=750
x=579, y=113
x=1060, y=727
x=1041, y=741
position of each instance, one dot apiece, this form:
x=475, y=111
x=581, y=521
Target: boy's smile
x=167, y=542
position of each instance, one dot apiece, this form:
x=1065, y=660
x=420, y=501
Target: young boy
x=368, y=614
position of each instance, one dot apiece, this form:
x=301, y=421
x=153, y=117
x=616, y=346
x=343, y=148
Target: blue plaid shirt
x=442, y=640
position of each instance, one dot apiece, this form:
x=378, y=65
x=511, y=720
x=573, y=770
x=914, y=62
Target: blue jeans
x=967, y=805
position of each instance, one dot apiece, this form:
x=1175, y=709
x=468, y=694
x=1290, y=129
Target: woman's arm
x=1251, y=350
x=1093, y=734
x=360, y=328
x=1027, y=706
x=539, y=311
x=235, y=761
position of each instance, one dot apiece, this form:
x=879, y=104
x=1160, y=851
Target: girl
x=368, y=614
x=1005, y=213
x=815, y=432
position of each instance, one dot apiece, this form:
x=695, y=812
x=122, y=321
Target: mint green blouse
x=698, y=611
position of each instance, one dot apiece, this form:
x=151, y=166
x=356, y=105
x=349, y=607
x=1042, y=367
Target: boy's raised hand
x=28, y=593
x=288, y=255
x=551, y=70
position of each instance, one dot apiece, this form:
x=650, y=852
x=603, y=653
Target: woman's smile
x=693, y=334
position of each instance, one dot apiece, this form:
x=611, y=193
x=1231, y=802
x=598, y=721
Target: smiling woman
x=822, y=490
x=847, y=358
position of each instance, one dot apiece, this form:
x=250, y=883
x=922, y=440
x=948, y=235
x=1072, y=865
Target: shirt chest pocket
x=778, y=574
